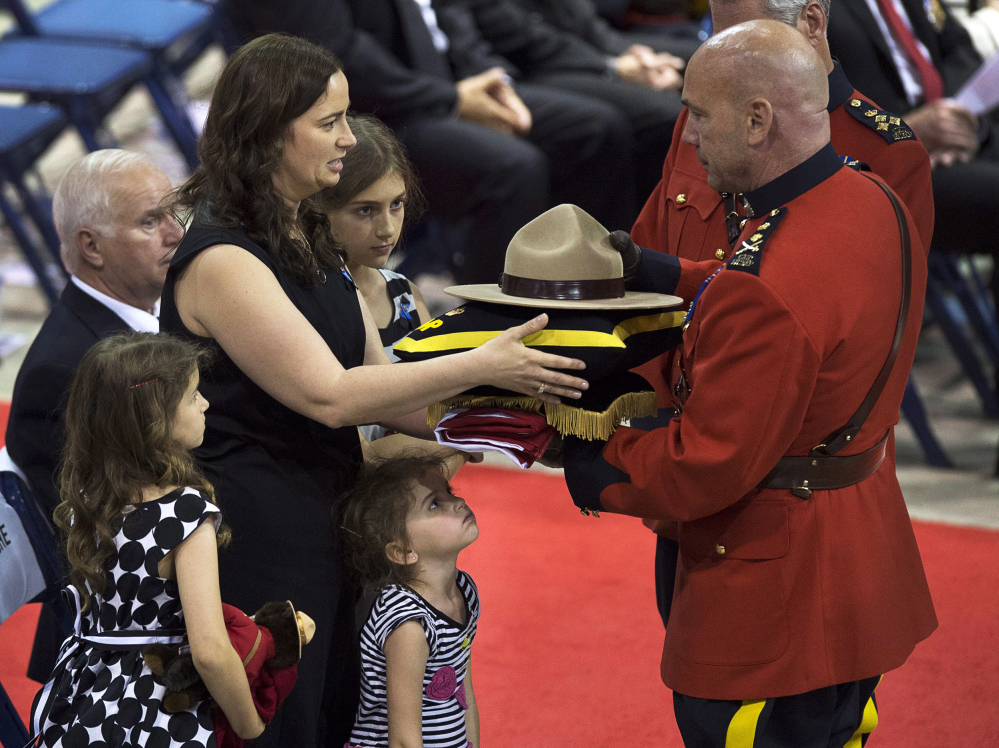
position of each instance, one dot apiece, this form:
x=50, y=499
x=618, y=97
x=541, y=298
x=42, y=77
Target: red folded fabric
x=522, y=436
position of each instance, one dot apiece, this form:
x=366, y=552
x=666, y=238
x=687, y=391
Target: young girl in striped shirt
x=404, y=530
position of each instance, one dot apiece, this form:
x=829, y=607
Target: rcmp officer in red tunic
x=799, y=580
x=685, y=217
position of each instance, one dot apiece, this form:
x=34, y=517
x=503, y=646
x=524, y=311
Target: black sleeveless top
x=277, y=473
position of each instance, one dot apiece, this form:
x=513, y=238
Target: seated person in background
x=116, y=241
x=633, y=51
x=980, y=19
x=912, y=62
x=513, y=33
x=910, y=65
x=376, y=193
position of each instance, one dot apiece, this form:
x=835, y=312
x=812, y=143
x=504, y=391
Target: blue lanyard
x=697, y=296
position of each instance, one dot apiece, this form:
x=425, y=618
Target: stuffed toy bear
x=270, y=645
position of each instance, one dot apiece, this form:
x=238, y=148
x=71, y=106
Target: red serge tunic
x=685, y=217
x=776, y=595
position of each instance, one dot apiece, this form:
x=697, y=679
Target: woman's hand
x=507, y=363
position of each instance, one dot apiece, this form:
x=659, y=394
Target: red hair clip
x=142, y=383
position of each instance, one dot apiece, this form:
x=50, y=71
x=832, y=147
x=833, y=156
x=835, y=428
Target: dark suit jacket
x=854, y=37
x=381, y=77
x=529, y=44
x=34, y=430
x=580, y=17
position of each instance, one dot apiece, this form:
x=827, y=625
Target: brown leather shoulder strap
x=844, y=435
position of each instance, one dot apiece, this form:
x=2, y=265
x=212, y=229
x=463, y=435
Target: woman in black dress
x=259, y=278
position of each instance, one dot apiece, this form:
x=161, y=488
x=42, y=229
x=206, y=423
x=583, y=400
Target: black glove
x=631, y=254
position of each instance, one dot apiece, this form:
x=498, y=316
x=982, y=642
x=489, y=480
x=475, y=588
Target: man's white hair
x=788, y=11
x=83, y=197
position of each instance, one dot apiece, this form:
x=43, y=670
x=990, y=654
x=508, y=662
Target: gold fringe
x=568, y=420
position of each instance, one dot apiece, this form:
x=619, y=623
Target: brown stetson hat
x=563, y=259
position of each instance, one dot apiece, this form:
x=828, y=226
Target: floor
x=968, y=494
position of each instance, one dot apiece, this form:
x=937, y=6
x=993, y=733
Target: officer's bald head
x=757, y=94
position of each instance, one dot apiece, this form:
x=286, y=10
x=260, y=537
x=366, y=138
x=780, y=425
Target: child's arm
x=406, y=653
x=472, y=713
x=197, y=567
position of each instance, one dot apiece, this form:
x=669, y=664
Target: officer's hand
x=631, y=254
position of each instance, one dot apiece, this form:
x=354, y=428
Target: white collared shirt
x=430, y=18
x=907, y=71
x=138, y=319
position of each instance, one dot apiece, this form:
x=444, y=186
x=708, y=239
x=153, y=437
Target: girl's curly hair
x=375, y=515
x=119, y=423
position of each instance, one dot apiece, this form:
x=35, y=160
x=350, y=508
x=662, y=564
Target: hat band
x=572, y=290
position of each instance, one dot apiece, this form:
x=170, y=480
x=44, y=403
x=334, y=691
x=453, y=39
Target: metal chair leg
x=41, y=216
x=28, y=248
x=962, y=347
x=175, y=120
x=981, y=322
x=915, y=414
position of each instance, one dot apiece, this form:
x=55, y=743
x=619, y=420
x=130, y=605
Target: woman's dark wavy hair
x=378, y=152
x=265, y=86
x=375, y=515
x=119, y=439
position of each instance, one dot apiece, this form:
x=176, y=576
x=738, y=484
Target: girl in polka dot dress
x=142, y=534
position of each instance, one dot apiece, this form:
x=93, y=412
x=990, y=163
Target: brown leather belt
x=819, y=469
x=815, y=473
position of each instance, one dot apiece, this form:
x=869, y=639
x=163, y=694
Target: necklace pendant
x=321, y=275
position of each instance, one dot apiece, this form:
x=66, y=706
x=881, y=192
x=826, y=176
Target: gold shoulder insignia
x=749, y=254
x=890, y=127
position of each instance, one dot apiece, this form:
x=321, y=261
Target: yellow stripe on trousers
x=742, y=729
x=867, y=724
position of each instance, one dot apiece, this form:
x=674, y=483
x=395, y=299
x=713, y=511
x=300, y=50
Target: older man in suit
x=117, y=239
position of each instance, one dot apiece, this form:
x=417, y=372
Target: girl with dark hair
x=405, y=529
x=376, y=194
x=260, y=278
x=142, y=533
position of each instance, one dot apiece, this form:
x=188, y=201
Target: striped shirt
x=443, y=689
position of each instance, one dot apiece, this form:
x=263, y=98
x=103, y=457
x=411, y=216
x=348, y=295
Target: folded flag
x=521, y=436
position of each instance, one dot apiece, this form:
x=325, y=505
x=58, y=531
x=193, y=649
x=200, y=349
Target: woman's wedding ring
x=541, y=389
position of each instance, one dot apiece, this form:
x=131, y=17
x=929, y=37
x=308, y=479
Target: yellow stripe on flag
x=552, y=338
x=742, y=729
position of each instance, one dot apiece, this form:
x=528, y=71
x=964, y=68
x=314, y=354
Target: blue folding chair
x=43, y=541
x=174, y=32
x=943, y=285
x=12, y=729
x=88, y=80
x=25, y=133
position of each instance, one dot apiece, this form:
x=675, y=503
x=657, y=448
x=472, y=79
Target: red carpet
x=569, y=641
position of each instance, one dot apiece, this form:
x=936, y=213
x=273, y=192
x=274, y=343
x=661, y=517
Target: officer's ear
x=813, y=23
x=759, y=117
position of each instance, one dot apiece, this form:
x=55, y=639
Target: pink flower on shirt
x=443, y=685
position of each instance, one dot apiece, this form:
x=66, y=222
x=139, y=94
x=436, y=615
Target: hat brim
x=631, y=300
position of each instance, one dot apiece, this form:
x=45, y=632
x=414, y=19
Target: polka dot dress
x=102, y=695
